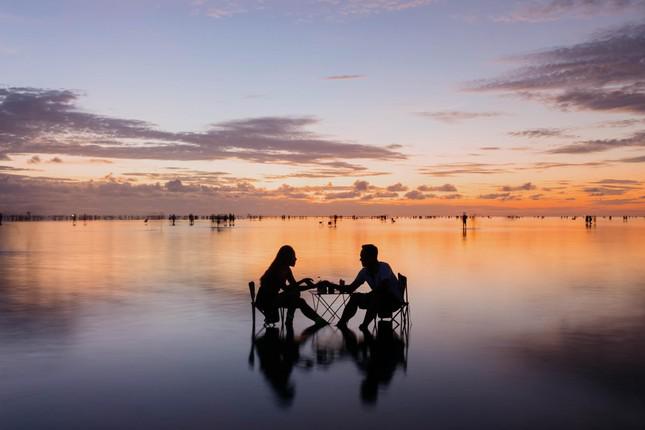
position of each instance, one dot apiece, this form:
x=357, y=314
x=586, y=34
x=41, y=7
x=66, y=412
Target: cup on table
x=321, y=288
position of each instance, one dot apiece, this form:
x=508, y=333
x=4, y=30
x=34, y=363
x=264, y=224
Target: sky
x=313, y=107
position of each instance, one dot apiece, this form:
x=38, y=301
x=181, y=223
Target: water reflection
x=377, y=355
x=277, y=354
x=525, y=324
x=608, y=353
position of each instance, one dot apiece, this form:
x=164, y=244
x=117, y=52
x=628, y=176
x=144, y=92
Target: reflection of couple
x=376, y=356
x=278, y=355
x=385, y=295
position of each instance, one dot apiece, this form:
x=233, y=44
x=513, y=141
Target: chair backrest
x=403, y=283
x=252, y=292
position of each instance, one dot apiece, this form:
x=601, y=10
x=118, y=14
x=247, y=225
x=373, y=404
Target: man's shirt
x=383, y=275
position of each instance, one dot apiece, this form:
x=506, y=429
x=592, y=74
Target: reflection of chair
x=253, y=307
x=399, y=313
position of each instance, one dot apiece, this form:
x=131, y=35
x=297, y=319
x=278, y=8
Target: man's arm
x=349, y=288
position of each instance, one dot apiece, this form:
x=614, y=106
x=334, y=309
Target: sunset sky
x=322, y=106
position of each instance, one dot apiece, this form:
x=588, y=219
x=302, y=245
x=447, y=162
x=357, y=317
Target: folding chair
x=401, y=314
x=253, y=308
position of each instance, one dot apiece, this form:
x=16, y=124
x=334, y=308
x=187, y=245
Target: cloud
x=174, y=185
x=332, y=169
x=380, y=195
x=441, y=188
x=397, y=187
x=453, y=117
x=536, y=196
x=386, y=194
x=188, y=176
x=543, y=165
x=599, y=145
x=539, y=133
x=452, y=169
x=490, y=148
x=621, y=123
x=343, y=77
x=34, y=160
x=462, y=168
x=305, y=10
x=343, y=195
x=452, y=196
x=603, y=191
x=15, y=169
x=618, y=182
x=524, y=187
x=55, y=160
x=639, y=159
x=606, y=73
x=555, y=9
x=48, y=121
x=361, y=185
x=499, y=196
x=415, y=195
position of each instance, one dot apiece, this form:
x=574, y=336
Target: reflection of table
x=329, y=304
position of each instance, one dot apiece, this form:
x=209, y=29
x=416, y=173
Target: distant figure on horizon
x=386, y=293
x=0, y=219
x=464, y=220
x=191, y=219
x=173, y=218
x=280, y=277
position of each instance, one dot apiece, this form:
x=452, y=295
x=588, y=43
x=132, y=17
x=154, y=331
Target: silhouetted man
x=386, y=294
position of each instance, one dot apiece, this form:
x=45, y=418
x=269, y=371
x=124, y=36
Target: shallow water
x=527, y=323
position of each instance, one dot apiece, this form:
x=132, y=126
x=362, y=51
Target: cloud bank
x=607, y=73
x=37, y=121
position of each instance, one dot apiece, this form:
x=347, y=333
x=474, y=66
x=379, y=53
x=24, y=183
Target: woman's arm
x=298, y=285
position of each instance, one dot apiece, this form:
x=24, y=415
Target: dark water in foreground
x=519, y=324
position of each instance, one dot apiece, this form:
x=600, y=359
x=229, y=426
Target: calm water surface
x=518, y=324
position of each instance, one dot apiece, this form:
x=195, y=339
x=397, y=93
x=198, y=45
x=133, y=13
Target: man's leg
x=356, y=300
x=376, y=302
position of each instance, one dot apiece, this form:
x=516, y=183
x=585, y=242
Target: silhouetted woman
x=279, y=277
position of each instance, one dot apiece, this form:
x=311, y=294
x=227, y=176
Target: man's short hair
x=370, y=250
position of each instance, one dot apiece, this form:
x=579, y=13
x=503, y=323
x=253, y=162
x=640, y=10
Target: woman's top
x=270, y=285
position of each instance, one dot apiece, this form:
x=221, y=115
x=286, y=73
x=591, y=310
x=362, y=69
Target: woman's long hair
x=282, y=259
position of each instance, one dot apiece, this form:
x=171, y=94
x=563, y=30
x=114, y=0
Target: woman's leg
x=308, y=311
x=294, y=301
